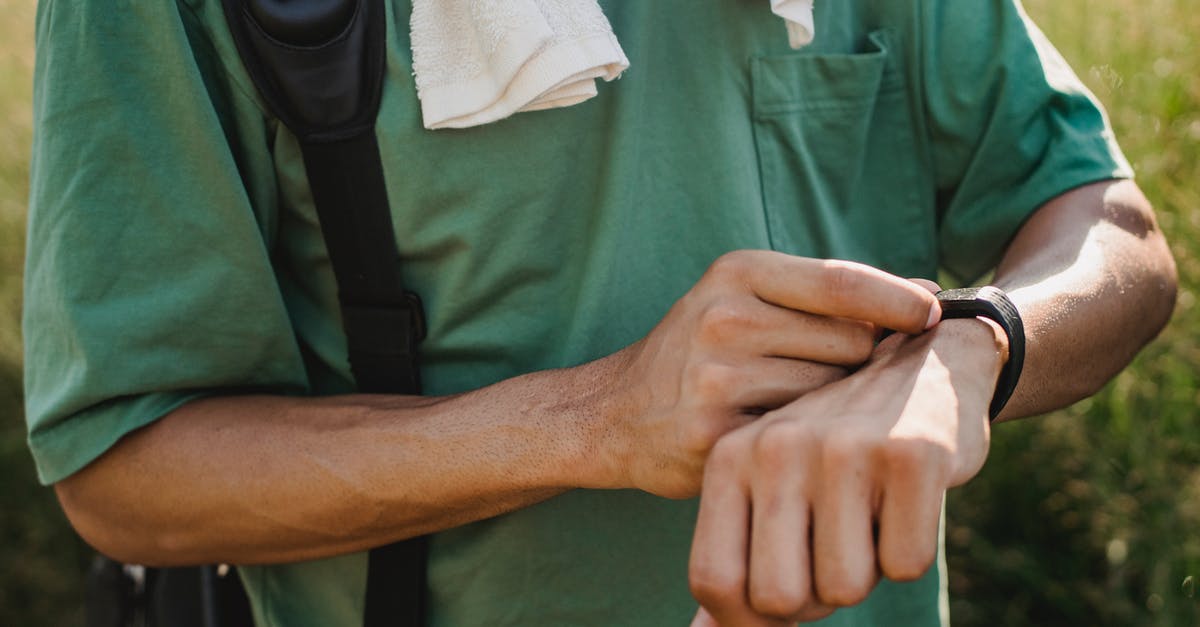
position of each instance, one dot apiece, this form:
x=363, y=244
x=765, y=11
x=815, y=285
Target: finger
x=909, y=520
x=780, y=332
x=779, y=582
x=717, y=568
x=780, y=570
x=837, y=288
x=844, y=564
x=933, y=288
x=754, y=327
x=813, y=612
x=772, y=383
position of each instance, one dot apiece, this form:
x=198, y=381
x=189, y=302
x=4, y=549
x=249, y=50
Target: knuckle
x=842, y=591
x=915, y=458
x=814, y=613
x=845, y=449
x=906, y=565
x=777, y=445
x=713, y=586
x=860, y=343
x=731, y=266
x=771, y=599
x=904, y=454
x=843, y=597
x=722, y=322
x=714, y=381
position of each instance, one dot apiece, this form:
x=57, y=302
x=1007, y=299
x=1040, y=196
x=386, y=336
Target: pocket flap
x=805, y=82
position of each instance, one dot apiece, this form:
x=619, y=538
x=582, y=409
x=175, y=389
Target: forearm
x=269, y=479
x=1094, y=281
x=272, y=479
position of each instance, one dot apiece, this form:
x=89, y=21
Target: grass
x=1090, y=516
x=16, y=62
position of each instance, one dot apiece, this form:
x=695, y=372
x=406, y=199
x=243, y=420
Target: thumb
x=927, y=284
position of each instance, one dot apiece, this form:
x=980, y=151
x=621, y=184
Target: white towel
x=478, y=61
x=799, y=16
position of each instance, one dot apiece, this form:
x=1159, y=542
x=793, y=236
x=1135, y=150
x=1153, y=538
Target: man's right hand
x=756, y=332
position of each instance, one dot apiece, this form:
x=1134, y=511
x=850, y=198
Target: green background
x=1090, y=516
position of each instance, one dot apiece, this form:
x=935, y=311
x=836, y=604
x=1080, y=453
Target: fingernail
x=935, y=315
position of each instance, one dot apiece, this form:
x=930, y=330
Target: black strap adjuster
x=382, y=345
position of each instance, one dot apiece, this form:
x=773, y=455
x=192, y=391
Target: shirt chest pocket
x=840, y=160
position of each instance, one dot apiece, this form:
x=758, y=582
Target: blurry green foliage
x=1090, y=516
x=40, y=557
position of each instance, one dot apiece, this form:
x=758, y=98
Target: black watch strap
x=991, y=303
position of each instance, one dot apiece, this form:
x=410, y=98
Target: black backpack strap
x=320, y=69
x=319, y=65
x=117, y=595
x=383, y=321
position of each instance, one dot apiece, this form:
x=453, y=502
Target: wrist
x=973, y=352
x=595, y=404
x=978, y=338
x=976, y=347
x=992, y=303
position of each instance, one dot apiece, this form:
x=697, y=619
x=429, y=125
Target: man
x=615, y=313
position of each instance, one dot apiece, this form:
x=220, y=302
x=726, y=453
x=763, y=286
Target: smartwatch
x=991, y=303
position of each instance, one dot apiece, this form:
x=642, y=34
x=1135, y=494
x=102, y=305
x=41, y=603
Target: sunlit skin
x=760, y=345
x=862, y=465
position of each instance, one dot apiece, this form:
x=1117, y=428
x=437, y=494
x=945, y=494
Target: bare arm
x=270, y=479
x=861, y=466
x=1094, y=281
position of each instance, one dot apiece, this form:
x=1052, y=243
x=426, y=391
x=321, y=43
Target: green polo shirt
x=174, y=249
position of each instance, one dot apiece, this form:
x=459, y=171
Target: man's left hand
x=803, y=510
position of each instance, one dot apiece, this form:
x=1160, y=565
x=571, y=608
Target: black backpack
x=319, y=65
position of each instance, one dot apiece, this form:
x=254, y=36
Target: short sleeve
x=1011, y=127
x=148, y=279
